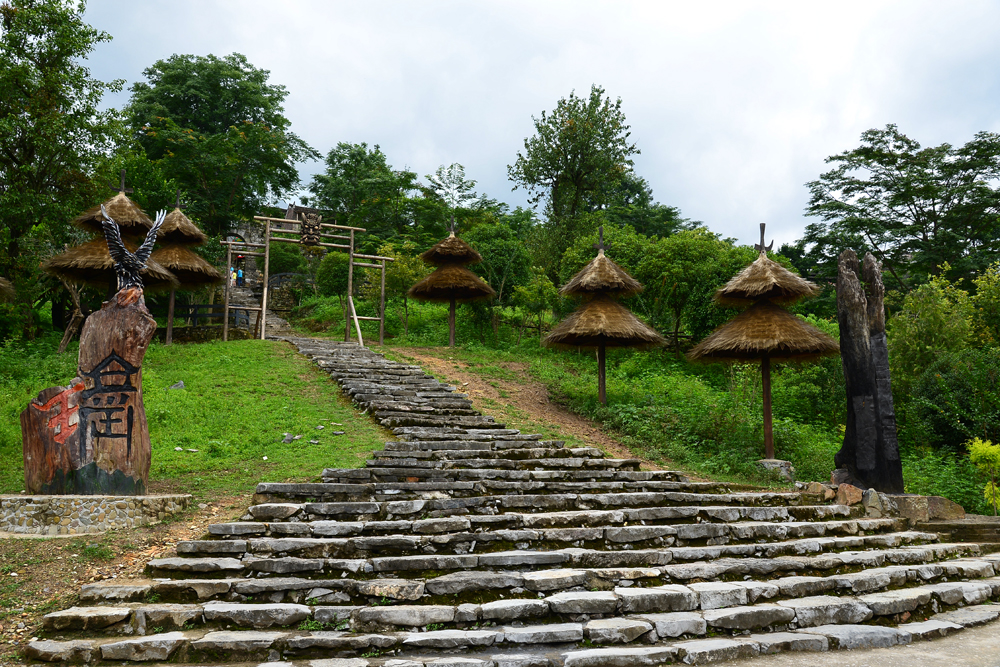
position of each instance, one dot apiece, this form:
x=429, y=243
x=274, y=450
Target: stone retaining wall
x=202, y=333
x=72, y=515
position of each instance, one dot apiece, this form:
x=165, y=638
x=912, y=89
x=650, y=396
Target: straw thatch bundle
x=6, y=290
x=191, y=270
x=91, y=263
x=178, y=228
x=451, y=282
x=601, y=276
x=452, y=250
x=764, y=329
x=603, y=321
x=765, y=279
x=130, y=218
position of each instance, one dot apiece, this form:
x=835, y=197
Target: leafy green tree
x=450, y=185
x=986, y=305
x=577, y=151
x=331, y=276
x=629, y=201
x=217, y=127
x=402, y=273
x=915, y=208
x=506, y=262
x=986, y=456
x=52, y=132
x=537, y=297
x=935, y=320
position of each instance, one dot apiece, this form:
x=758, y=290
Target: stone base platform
x=79, y=515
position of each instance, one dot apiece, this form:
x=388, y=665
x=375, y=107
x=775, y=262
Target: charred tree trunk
x=870, y=453
x=91, y=437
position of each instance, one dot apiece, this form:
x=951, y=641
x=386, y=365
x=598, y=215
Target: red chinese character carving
x=60, y=422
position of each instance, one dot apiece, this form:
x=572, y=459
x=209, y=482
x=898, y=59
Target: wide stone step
x=545, y=454
x=425, y=434
x=481, y=445
x=396, y=420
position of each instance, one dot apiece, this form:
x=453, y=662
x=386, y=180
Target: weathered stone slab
x=717, y=594
x=615, y=630
x=143, y=649
x=505, y=610
x=48, y=650
x=671, y=597
x=617, y=657
x=85, y=618
x=408, y=615
x=111, y=591
x=239, y=642
x=544, y=634
x=749, y=618
x=826, y=609
x=461, y=582
x=451, y=638
x=551, y=580
x=849, y=637
x=701, y=651
x=968, y=617
x=583, y=602
x=779, y=642
x=676, y=624
x=897, y=601
x=931, y=629
x=257, y=615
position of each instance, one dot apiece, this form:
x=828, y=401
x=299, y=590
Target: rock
x=968, y=617
x=85, y=618
x=850, y=637
x=461, y=582
x=667, y=598
x=615, y=630
x=155, y=647
x=257, y=615
x=409, y=615
x=170, y=615
x=848, y=494
x=110, y=591
x=783, y=468
x=749, y=618
x=583, y=602
x=202, y=589
x=177, y=385
x=779, y=642
x=676, y=624
x=700, y=651
x=505, y=610
x=451, y=638
x=196, y=564
x=288, y=438
x=615, y=657
x=717, y=594
x=939, y=508
x=550, y=580
x=931, y=629
x=519, y=660
x=544, y=634
x=333, y=640
x=826, y=609
x=896, y=602
x=239, y=642
x=49, y=650
x=804, y=586
x=815, y=487
x=394, y=589
x=872, y=502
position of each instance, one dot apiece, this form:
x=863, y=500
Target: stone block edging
x=79, y=515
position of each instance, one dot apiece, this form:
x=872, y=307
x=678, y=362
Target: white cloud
x=734, y=105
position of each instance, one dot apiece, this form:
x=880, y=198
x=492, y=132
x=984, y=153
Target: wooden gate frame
x=349, y=247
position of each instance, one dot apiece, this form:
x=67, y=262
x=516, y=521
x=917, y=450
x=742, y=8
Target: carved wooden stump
x=91, y=437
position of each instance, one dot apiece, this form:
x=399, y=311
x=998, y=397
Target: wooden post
x=451, y=324
x=602, y=385
x=170, y=318
x=350, y=286
x=381, y=310
x=765, y=373
x=225, y=305
x=262, y=318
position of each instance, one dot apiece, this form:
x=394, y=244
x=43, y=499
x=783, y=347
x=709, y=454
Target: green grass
x=239, y=398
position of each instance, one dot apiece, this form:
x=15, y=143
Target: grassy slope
x=239, y=399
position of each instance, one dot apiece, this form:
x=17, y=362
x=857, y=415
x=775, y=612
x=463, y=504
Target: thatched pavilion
x=765, y=331
x=451, y=282
x=178, y=234
x=601, y=321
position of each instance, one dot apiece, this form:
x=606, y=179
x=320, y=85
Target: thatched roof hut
x=765, y=279
x=6, y=290
x=451, y=282
x=130, y=218
x=191, y=270
x=601, y=276
x=91, y=263
x=764, y=329
x=178, y=229
x=603, y=321
x=452, y=250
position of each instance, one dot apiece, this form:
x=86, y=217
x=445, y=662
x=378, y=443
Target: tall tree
x=450, y=185
x=577, y=150
x=914, y=208
x=52, y=132
x=218, y=128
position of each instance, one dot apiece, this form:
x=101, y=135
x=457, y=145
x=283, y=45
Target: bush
x=331, y=276
x=945, y=473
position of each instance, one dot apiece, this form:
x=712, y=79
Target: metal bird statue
x=128, y=265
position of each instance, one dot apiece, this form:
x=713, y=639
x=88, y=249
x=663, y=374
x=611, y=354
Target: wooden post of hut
x=765, y=332
x=601, y=321
x=451, y=282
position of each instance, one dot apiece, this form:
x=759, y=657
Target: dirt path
x=527, y=395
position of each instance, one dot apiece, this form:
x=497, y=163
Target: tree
x=986, y=456
x=914, y=208
x=218, y=128
x=360, y=189
x=536, y=298
x=577, y=151
x=986, y=305
x=52, y=132
x=450, y=185
x=506, y=262
x=401, y=274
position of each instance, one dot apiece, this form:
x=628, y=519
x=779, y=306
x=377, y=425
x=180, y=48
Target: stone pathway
x=242, y=296
x=463, y=542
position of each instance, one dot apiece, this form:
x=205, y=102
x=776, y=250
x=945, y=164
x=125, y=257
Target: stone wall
x=73, y=515
x=203, y=333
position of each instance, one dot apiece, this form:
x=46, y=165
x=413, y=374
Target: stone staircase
x=243, y=296
x=464, y=542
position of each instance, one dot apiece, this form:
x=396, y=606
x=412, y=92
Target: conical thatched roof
x=602, y=320
x=452, y=250
x=6, y=290
x=765, y=279
x=451, y=281
x=190, y=268
x=178, y=228
x=764, y=328
x=91, y=263
x=130, y=218
x=601, y=276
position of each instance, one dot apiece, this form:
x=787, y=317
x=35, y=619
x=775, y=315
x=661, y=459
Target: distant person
x=239, y=277
x=232, y=276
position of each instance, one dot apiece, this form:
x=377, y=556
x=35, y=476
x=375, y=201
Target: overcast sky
x=734, y=105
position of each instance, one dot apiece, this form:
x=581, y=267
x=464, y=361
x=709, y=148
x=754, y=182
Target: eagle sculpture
x=128, y=265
